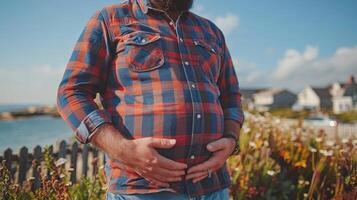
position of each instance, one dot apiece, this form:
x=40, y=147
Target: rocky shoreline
x=30, y=112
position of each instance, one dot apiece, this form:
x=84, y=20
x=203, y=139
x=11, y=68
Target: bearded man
x=171, y=101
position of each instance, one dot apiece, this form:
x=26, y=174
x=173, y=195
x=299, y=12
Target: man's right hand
x=140, y=155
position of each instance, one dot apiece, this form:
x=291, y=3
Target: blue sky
x=276, y=43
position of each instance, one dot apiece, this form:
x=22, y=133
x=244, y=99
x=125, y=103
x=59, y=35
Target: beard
x=173, y=5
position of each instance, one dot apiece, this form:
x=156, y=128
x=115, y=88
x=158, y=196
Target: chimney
x=351, y=80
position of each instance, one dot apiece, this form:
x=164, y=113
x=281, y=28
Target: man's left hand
x=221, y=149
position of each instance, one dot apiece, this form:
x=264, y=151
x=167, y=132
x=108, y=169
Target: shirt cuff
x=89, y=124
x=234, y=114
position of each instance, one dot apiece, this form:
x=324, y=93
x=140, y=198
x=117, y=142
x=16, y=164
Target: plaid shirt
x=157, y=78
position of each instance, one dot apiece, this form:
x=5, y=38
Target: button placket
x=194, y=94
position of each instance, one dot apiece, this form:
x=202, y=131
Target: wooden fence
x=81, y=160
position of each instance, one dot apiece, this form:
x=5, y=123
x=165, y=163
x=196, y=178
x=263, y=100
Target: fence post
x=95, y=161
x=74, y=152
x=62, y=149
x=23, y=162
x=37, y=158
x=50, y=152
x=85, y=159
x=8, y=162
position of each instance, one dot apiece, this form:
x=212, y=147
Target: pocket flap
x=142, y=38
x=204, y=44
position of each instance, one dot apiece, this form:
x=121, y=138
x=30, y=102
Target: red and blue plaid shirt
x=157, y=78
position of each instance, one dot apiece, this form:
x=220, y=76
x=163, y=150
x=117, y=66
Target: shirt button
x=181, y=40
x=193, y=85
x=143, y=41
x=192, y=157
x=186, y=63
x=198, y=116
x=171, y=23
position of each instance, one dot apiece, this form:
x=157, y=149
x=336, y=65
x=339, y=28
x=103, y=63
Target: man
x=171, y=102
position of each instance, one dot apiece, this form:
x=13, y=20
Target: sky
x=280, y=43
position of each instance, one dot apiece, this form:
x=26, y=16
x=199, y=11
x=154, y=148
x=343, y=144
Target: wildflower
x=246, y=130
x=330, y=143
x=60, y=161
x=271, y=172
x=285, y=155
x=31, y=178
x=313, y=150
x=344, y=140
x=301, y=163
x=253, y=145
x=305, y=195
x=301, y=182
x=318, y=139
x=266, y=143
x=307, y=183
x=257, y=135
x=326, y=153
x=61, y=175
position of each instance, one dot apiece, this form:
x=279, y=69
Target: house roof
x=322, y=93
x=350, y=90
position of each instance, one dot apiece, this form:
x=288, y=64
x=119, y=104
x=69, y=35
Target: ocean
x=29, y=132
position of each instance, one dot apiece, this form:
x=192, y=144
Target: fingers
x=157, y=182
x=162, y=143
x=170, y=173
x=170, y=164
x=210, y=164
x=216, y=145
x=199, y=178
x=196, y=175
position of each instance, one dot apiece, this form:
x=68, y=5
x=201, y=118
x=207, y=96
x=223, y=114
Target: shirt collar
x=144, y=5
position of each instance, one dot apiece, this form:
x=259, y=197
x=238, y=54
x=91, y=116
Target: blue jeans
x=218, y=195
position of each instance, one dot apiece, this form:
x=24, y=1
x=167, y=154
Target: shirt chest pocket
x=209, y=58
x=142, y=51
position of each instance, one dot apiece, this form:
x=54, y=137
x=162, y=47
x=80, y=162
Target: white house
x=273, y=98
x=247, y=96
x=346, y=100
x=314, y=98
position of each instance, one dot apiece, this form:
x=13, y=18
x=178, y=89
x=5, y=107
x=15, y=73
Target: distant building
x=313, y=98
x=346, y=99
x=273, y=98
x=247, y=97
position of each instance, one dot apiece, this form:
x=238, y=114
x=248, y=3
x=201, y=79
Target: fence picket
x=62, y=149
x=37, y=156
x=73, y=176
x=23, y=164
x=85, y=160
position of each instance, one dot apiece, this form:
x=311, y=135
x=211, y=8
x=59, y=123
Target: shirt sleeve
x=228, y=83
x=84, y=77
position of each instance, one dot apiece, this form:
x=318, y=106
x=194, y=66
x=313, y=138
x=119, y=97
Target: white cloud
x=297, y=69
x=227, y=23
x=293, y=60
x=30, y=85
